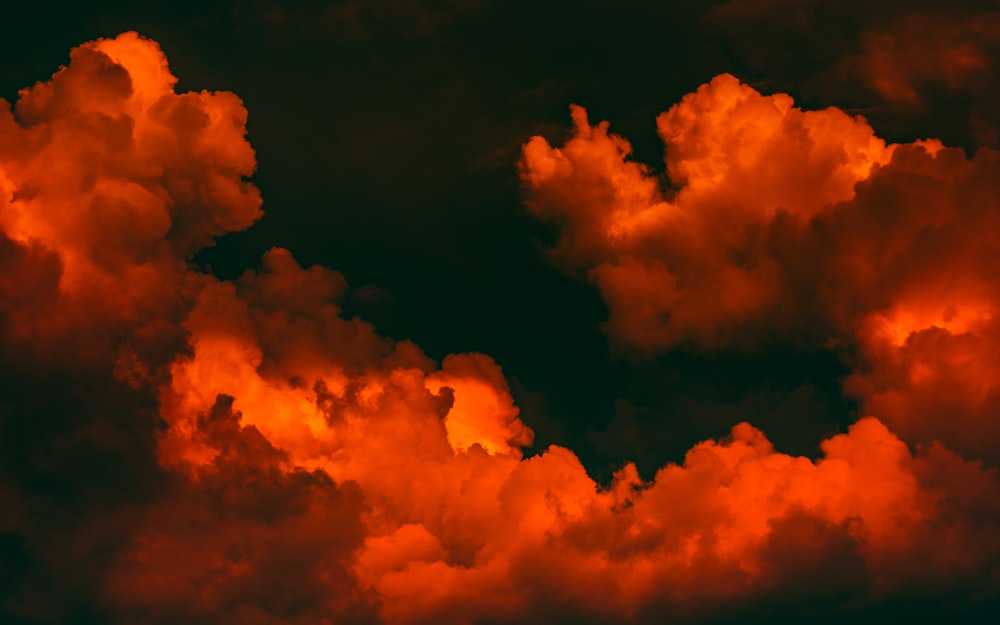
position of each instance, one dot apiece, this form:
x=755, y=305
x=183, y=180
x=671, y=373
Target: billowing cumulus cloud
x=802, y=227
x=117, y=181
x=180, y=448
x=460, y=528
x=692, y=264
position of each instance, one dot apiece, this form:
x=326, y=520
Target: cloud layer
x=178, y=447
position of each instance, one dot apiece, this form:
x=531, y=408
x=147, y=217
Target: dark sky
x=388, y=135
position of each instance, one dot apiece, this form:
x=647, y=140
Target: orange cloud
x=294, y=466
x=687, y=265
x=789, y=225
x=121, y=179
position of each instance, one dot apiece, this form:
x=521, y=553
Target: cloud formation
x=185, y=448
x=787, y=226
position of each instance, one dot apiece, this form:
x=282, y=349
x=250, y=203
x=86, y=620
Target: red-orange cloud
x=688, y=264
x=460, y=529
x=120, y=180
x=309, y=470
x=794, y=226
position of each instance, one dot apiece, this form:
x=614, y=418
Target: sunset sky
x=500, y=312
